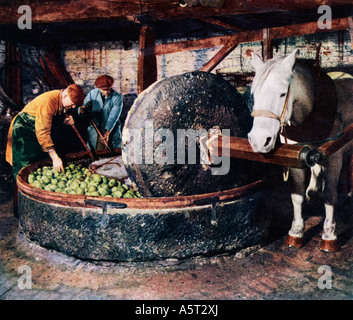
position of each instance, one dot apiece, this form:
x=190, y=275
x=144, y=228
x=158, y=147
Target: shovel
x=83, y=142
x=100, y=135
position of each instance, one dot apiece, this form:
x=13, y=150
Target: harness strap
x=265, y=113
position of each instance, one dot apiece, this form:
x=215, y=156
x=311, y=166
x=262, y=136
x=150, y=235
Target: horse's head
x=270, y=89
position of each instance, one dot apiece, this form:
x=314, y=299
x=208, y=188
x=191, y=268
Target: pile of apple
x=79, y=180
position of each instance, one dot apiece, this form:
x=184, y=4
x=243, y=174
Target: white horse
x=301, y=103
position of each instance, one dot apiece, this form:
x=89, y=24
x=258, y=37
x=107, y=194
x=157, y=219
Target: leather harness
x=270, y=114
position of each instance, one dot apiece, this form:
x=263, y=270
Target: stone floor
x=273, y=272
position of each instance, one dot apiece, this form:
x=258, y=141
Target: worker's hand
x=58, y=165
x=69, y=120
x=106, y=136
x=57, y=162
x=82, y=110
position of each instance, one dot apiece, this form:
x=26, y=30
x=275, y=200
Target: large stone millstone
x=196, y=100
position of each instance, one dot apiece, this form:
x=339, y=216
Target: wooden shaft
x=296, y=156
x=83, y=141
x=284, y=155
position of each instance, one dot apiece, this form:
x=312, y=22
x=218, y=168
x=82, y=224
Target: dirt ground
x=273, y=272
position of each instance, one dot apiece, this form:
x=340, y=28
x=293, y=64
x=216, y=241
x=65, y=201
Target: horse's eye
x=283, y=94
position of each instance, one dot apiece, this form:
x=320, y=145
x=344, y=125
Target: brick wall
x=85, y=62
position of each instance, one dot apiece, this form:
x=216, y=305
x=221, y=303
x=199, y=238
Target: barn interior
x=50, y=44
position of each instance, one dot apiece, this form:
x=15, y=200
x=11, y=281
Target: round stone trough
x=142, y=229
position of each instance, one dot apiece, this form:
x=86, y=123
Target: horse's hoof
x=294, y=242
x=329, y=245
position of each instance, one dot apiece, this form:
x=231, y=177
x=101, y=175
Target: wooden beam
x=307, y=28
x=147, y=63
x=250, y=36
x=350, y=28
x=241, y=37
x=222, y=24
x=220, y=55
x=240, y=148
x=267, y=47
x=288, y=155
x=85, y=10
x=54, y=72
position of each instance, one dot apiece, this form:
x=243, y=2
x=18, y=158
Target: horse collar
x=270, y=114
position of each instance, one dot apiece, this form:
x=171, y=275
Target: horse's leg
x=329, y=241
x=314, y=181
x=295, y=234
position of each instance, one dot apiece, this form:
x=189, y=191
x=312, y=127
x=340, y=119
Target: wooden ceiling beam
x=307, y=28
x=86, y=10
x=187, y=45
x=222, y=24
x=250, y=36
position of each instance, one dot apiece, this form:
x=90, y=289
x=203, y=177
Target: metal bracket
x=105, y=204
x=309, y=157
x=214, y=220
x=214, y=201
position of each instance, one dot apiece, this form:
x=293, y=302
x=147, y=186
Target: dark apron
x=25, y=146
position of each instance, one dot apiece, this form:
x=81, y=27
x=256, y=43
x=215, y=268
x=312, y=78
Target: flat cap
x=76, y=94
x=104, y=81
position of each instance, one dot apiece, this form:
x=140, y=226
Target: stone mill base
x=151, y=234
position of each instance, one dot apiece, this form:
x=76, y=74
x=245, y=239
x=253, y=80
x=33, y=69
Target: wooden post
x=349, y=187
x=55, y=73
x=147, y=63
x=350, y=29
x=267, y=47
x=220, y=55
x=13, y=84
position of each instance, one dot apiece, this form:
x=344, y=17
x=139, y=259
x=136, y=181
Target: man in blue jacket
x=104, y=107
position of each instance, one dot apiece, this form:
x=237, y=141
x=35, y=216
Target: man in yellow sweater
x=29, y=139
